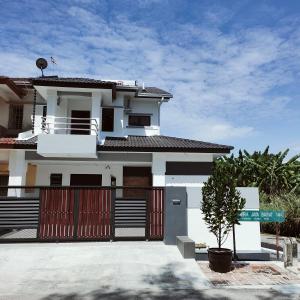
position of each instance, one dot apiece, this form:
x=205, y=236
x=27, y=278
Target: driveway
x=119, y=270
x=96, y=270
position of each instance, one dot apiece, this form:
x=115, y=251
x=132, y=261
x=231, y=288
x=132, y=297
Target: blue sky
x=233, y=66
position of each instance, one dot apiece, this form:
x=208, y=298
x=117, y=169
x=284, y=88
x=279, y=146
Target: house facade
x=80, y=132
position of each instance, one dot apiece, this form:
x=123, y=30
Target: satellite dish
x=42, y=64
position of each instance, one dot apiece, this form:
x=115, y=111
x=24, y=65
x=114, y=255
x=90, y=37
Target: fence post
x=147, y=228
x=112, y=213
x=39, y=218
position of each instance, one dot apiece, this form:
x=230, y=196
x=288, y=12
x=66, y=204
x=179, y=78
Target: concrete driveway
x=119, y=270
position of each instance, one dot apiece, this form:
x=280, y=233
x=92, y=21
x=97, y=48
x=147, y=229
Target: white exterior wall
x=44, y=171
x=27, y=115
x=17, y=171
x=247, y=234
x=159, y=165
x=144, y=106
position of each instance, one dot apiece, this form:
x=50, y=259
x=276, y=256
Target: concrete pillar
x=119, y=121
x=96, y=111
x=51, y=109
x=17, y=171
x=158, y=171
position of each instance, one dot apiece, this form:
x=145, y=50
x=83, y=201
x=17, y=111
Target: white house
x=60, y=132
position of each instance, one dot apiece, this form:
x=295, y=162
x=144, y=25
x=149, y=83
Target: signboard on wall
x=262, y=216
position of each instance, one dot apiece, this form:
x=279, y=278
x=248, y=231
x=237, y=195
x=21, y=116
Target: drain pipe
x=160, y=102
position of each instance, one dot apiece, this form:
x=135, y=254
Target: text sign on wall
x=262, y=215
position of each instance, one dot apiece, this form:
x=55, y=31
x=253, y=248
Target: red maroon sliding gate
x=71, y=213
x=88, y=214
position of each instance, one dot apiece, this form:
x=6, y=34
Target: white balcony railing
x=69, y=125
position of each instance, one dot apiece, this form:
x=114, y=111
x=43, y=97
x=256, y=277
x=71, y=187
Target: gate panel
x=94, y=214
x=56, y=214
x=156, y=214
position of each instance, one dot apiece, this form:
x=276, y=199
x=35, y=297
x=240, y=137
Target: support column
x=158, y=171
x=96, y=110
x=118, y=121
x=51, y=109
x=17, y=171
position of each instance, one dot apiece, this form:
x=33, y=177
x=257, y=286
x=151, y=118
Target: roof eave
x=161, y=149
x=12, y=86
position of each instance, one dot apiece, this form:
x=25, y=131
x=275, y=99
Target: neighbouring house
x=87, y=158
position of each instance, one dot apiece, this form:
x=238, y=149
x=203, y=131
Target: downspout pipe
x=160, y=102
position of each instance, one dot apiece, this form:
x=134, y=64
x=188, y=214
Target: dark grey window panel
x=188, y=168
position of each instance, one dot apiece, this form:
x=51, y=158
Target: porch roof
x=157, y=143
x=160, y=143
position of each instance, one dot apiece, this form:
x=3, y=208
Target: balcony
x=68, y=137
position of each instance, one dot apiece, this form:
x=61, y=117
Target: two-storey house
x=64, y=132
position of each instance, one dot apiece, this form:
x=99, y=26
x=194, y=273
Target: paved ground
x=120, y=270
x=251, y=273
x=88, y=268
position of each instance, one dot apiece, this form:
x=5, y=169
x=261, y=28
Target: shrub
x=290, y=203
x=221, y=204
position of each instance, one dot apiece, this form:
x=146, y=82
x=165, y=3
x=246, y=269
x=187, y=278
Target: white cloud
x=220, y=81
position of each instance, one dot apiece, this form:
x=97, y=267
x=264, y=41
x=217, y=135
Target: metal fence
x=80, y=213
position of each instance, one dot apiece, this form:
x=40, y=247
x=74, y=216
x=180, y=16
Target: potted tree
x=221, y=206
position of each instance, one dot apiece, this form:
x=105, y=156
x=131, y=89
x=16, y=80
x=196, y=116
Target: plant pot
x=220, y=259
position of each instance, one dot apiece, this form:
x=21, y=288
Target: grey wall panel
x=188, y=168
x=175, y=214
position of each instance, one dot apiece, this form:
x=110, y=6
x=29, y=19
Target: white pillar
x=118, y=121
x=158, y=171
x=51, y=109
x=17, y=171
x=95, y=113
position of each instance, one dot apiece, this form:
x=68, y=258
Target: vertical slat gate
x=94, y=214
x=156, y=214
x=56, y=214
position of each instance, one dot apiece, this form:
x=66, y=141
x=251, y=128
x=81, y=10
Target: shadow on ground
x=168, y=285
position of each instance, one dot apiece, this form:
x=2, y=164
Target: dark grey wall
x=102, y=157
x=188, y=168
x=175, y=214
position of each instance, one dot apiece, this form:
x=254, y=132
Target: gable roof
x=157, y=143
x=79, y=82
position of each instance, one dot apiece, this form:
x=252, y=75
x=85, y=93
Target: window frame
x=139, y=116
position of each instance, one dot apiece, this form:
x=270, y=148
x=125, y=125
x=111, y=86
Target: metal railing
x=69, y=125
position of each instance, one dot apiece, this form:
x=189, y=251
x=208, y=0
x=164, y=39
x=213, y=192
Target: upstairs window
x=139, y=120
x=107, y=119
x=15, y=116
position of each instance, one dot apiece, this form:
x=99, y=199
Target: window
x=107, y=119
x=139, y=120
x=56, y=179
x=15, y=116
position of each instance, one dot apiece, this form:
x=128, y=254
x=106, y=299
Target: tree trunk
x=219, y=240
